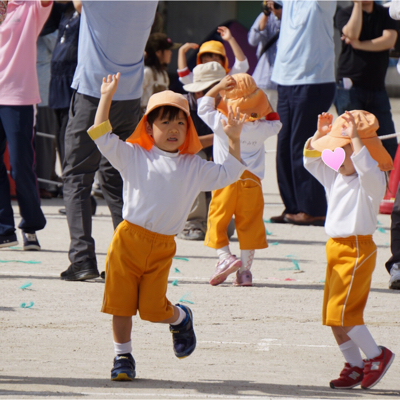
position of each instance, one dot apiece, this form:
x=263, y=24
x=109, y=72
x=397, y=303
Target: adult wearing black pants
x=112, y=38
x=368, y=33
x=304, y=71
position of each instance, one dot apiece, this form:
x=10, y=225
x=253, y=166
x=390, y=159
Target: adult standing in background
x=264, y=34
x=19, y=93
x=304, y=72
x=368, y=33
x=112, y=38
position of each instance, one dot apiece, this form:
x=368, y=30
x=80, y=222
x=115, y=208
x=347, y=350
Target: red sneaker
x=349, y=378
x=375, y=368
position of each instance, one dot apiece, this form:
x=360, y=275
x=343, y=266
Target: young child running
x=162, y=176
x=354, y=193
x=244, y=198
x=212, y=50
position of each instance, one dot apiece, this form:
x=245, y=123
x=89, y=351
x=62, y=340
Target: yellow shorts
x=137, y=268
x=245, y=200
x=351, y=262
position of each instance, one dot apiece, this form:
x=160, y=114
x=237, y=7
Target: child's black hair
x=151, y=60
x=209, y=54
x=169, y=112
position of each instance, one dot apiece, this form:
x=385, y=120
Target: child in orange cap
x=354, y=190
x=244, y=198
x=212, y=50
x=162, y=177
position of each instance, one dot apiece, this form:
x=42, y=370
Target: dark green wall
x=247, y=12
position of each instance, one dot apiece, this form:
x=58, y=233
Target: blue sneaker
x=124, y=368
x=30, y=241
x=8, y=241
x=183, y=336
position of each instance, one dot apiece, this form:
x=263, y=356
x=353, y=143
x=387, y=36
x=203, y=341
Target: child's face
x=164, y=56
x=208, y=57
x=347, y=168
x=168, y=135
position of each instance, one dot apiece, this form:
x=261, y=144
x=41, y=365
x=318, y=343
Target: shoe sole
x=242, y=284
x=218, y=279
x=32, y=247
x=332, y=386
x=10, y=244
x=123, y=376
x=395, y=285
x=383, y=374
x=316, y=223
x=83, y=276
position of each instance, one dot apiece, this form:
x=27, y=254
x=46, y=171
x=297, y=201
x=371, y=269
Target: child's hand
x=225, y=33
x=324, y=123
x=187, y=46
x=227, y=83
x=109, y=85
x=234, y=126
x=349, y=129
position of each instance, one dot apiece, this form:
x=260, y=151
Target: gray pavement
x=261, y=342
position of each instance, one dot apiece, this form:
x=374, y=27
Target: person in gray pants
x=99, y=56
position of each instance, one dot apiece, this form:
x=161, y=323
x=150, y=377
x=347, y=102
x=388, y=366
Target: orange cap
x=367, y=125
x=250, y=99
x=192, y=143
x=213, y=46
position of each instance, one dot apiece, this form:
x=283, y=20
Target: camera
x=265, y=8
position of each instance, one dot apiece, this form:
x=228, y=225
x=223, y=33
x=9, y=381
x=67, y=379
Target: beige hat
x=204, y=75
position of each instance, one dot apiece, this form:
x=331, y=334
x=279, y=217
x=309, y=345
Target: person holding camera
x=264, y=34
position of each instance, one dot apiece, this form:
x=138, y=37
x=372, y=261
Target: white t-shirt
x=252, y=138
x=160, y=187
x=353, y=201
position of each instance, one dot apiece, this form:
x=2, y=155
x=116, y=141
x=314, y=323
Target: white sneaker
x=394, y=282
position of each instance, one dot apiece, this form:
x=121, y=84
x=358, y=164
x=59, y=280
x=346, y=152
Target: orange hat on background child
x=215, y=47
x=367, y=125
x=250, y=99
x=192, y=143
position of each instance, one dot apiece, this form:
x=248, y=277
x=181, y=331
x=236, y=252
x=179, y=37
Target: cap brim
x=199, y=86
x=175, y=46
x=330, y=143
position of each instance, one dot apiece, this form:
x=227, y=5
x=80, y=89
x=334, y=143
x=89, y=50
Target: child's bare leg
x=340, y=333
x=122, y=328
x=177, y=318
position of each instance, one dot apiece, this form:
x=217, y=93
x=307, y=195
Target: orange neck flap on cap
x=248, y=97
x=192, y=143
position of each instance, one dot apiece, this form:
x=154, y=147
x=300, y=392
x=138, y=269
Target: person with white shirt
x=243, y=199
x=354, y=191
x=162, y=177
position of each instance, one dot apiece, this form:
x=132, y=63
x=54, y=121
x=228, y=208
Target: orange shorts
x=351, y=262
x=137, y=268
x=245, y=200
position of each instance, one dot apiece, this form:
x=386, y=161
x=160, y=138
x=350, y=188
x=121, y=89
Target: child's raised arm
x=324, y=126
x=108, y=89
x=233, y=129
x=351, y=131
x=182, y=63
x=227, y=36
x=227, y=83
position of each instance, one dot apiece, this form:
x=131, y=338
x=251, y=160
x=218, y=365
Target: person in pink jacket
x=19, y=93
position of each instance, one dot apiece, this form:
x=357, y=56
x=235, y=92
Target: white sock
x=223, y=253
x=351, y=354
x=182, y=316
x=247, y=257
x=361, y=336
x=123, y=348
